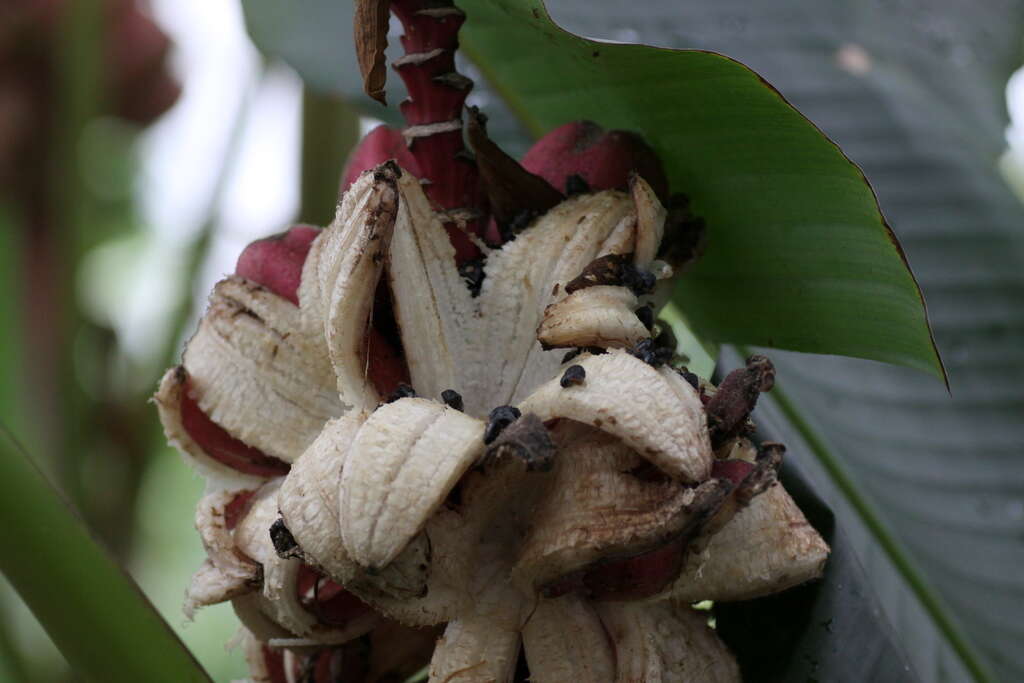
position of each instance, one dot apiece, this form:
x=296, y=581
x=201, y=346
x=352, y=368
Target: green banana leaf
x=102, y=623
x=914, y=94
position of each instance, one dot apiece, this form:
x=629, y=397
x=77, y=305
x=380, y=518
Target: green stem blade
x=91, y=609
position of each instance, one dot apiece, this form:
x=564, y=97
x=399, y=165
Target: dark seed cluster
x=403, y=391
x=499, y=418
x=472, y=273
x=665, y=338
x=576, y=184
x=574, y=375
x=639, y=281
x=529, y=440
x=604, y=270
x=284, y=542
x=452, y=399
x=646, y=315
x=652, y=354
x=521, y=220
x=693, y=380
x=592, y=350
x=684, y=233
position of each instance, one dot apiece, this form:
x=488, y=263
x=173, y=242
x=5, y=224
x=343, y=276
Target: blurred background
x=143, y=144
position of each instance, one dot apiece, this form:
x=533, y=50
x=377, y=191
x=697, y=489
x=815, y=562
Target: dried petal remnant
x=736, y=397
x=511, y=190
x=371, y=38
x=613, y=269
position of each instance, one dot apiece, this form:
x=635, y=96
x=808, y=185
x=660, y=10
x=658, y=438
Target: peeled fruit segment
x=482, y=644
x=256, y=374
x=767, y=547
x=523, y=277
x=664, y=643
x=565, y=641
x=308, y=499
x=340, y=277
x=252, y=315
x=601, y=506
x=474, y=651
x=403, y=462
x=432, y=305
x=279, y=601
x=225, y=573
x=650, y=221
x=594, y=316
x=656, y=413
x=221, y=458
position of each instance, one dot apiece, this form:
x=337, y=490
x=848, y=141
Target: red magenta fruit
x=276, y=261
x=379, y=145
x=604, y=159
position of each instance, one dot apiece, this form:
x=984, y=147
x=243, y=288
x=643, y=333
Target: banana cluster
x=543, y=480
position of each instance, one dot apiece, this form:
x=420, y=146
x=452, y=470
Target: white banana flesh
x=308, y=499
x=662, y=643
x=432, y=305
x=565, y=641
x=660, y=418
x=593, y=316
x=225, y=573
x=256, y=373
x=340, y=276
x=404, y=461
x=650, y=222
x=767, y=547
